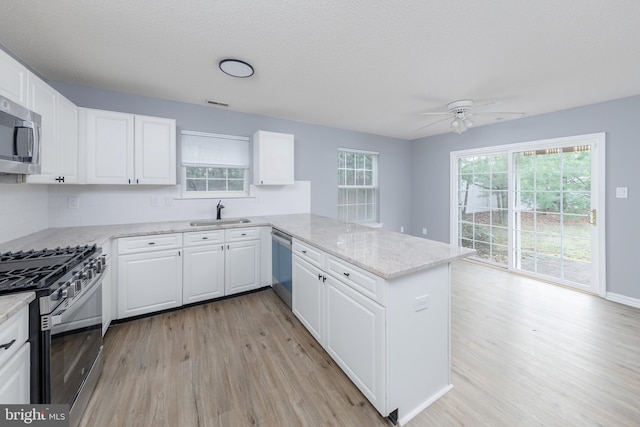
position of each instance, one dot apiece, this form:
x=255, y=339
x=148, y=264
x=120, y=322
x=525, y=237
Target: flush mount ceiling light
x=236, y=68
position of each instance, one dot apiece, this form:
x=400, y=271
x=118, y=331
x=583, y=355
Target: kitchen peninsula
x=377, y=301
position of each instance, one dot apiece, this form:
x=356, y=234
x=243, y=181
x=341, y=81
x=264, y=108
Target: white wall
x=23, y=210
x=122, y=204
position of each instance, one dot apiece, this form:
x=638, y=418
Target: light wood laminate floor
x=524, y=353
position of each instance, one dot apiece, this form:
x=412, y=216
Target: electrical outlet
x=73, y=202
x=424, y=231
x=154, y=201
x=168, y=201
x=422, y=303
x=402, y=229
x=622, y=192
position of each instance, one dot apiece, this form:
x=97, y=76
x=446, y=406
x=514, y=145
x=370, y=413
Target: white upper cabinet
x=59, y=144
x=13, y=79
x=272, y=158
x=109, y=145
x=127, y=149
x=155, y=150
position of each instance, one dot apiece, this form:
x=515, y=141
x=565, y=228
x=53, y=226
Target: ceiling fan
x=462, y=112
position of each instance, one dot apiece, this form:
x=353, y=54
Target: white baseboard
x=622, y=299
x=408, y=417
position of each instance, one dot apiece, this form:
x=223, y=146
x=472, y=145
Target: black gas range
x=65, y=320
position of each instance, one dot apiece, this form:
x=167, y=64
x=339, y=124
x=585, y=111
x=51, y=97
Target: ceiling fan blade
x=516, y=113
x=430, y=124
x=486, y=104
x=443, y=113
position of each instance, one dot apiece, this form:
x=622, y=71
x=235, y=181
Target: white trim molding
x=623, y=299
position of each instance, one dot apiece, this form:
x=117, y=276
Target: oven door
x=76, y=343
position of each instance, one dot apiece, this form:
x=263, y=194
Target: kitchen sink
x=210, y=222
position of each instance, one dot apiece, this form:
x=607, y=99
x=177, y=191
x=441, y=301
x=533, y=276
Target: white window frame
x=376, y=208
x=598, y=192
x=214, y=194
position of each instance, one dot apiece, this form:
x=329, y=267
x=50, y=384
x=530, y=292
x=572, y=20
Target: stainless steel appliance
x=281, y=266
x=20, y=131
x=65, y=320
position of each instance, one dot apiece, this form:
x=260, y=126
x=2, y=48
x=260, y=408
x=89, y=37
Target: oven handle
x=60, y=316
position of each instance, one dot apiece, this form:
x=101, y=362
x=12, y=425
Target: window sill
x=214, y=196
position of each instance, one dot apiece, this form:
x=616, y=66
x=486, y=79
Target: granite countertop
x=11, y=304
x=381, y=252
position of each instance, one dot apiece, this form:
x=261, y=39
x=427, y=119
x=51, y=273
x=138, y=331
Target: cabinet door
x=242, y=267
x=43, y=99
x=14, y=378
x=109, y=147
x=68, y=141
x=274, y=159
x=13, y=79
x=355, y=338
x=155, y=150
x=203, y=273
x=307, y=296
x=149, y=282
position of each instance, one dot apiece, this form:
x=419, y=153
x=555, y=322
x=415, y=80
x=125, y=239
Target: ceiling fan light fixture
x=236, y=68
x=467, y=122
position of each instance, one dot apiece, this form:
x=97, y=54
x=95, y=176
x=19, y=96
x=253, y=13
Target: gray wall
x=618, y=119
x=315, y=146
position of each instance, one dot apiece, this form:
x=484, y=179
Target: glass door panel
x=552, y=202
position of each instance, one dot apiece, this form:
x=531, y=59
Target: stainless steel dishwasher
x=281, y=265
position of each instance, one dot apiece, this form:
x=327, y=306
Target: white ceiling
x=365, y=65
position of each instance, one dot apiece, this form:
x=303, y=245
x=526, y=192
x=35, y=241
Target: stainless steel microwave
x=20, y=136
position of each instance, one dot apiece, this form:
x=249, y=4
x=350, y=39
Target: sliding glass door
x=534, y=208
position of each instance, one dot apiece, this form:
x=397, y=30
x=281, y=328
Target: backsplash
x=77, y=205
x=24, y=210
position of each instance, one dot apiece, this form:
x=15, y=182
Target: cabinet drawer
x=366, y=283
x=308, y=253
x=200, y=238
x=240, y=234
x=15, y=328
x=130, y=245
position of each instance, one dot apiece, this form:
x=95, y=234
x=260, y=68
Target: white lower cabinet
x=242, y=267
x=349, y=325
x=15, y=359
x=355, y=338
x=203, y=276
x=149, y=274
x=390, y=337
x=308, y=296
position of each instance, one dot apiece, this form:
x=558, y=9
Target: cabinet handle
x=319, y=276
x=304, y=252
x=346, y=274
x=129, y=180
x=7, y=345
x=222, y=247
x=179, y=253
x=324, y=279
x=151, y=243
x=205, y=238
x=137, y=181
x=244, y=234
x=60, y=179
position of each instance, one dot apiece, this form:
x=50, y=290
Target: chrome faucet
x=219, y=208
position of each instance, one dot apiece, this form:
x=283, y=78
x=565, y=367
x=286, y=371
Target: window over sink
x=214, y=165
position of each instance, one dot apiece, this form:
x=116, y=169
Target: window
x=357, y=186
x=214, y=165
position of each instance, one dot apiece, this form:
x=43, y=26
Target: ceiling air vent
x=219, y=104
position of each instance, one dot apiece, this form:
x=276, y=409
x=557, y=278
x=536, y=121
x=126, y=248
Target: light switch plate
x=622, y=192
x=422, y=303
